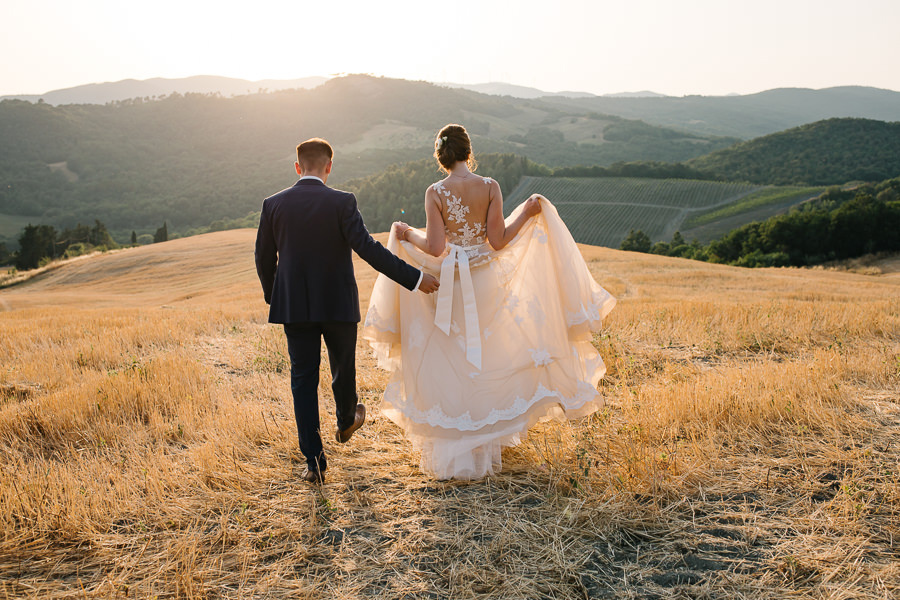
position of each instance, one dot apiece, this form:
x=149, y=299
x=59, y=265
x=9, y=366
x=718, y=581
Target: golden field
x=749, y=447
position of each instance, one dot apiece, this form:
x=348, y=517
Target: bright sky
x=674, y=47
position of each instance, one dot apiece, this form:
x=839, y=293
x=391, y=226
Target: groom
x=304, y=263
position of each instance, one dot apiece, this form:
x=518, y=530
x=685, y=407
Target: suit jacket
x=303, y=254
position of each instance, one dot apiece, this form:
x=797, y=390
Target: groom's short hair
x=314, y=154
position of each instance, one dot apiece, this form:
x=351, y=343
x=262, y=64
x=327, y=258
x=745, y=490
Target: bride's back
x=464, y=207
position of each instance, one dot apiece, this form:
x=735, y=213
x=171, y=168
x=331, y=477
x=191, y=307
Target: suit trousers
x=304, y=348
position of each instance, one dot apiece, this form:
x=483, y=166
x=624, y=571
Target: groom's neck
x=322, y=172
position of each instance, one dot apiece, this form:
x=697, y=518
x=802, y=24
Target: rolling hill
x=192, y=159
x=601, y=211
x=827, y=152
x=766, y=202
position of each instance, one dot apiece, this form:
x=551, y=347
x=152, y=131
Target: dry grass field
x=749, y=447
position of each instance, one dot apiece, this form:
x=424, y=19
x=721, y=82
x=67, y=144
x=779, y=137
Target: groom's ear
x=298, y=169
x=328, y=167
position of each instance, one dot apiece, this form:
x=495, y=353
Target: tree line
x=40, y=244
x=839, y=224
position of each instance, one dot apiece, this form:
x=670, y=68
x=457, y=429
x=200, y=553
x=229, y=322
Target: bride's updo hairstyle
x=452, y=146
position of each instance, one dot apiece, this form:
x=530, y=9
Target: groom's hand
x=429, y=283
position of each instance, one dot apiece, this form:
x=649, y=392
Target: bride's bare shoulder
x=438, y=187
x=434, y=193
x=491, y=185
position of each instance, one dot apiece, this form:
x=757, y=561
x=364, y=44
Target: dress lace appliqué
x=540, y=357
x=468, y=234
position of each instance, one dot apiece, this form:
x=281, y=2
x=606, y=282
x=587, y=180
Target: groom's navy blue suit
x=304, y=262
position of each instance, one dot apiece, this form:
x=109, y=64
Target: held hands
x=429, y=284
x=400, y=229
x=533, y=205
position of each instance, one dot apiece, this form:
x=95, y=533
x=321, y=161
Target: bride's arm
x=433, y=240
x=499, y=232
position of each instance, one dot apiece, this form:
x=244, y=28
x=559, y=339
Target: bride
x=506, y=341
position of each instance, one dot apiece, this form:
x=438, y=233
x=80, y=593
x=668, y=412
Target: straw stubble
x=747, y=447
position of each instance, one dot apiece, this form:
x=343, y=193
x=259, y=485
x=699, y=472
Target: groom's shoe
x=343, y=435
x=314, y=476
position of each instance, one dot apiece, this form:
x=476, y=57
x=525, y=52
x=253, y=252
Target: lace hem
x=475, y=456
x=592, y=313
x=437, y=418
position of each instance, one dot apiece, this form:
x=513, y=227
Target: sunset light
x=416, y=300
x=675, y=48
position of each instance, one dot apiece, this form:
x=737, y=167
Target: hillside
x=601, y=211
x=747, y=446
x=598, y=210
x=760, y=205
x=194, y=159
x=750, y=115
x=828, y=152
x=175, y=272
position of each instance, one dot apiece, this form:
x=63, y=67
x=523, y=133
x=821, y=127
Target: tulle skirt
x=505, y=343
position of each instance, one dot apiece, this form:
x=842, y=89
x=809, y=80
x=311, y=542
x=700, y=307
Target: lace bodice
x=462, y=227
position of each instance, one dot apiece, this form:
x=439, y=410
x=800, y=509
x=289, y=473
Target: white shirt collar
x=319, y=179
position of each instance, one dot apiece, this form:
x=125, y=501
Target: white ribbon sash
x=444, y=308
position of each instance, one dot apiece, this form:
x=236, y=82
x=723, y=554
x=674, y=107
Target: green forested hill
x=827, y=152
x=195, y=159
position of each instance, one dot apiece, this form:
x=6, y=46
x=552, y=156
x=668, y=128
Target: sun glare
x=701, y=46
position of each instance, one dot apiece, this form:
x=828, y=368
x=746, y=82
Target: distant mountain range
x=746, y=116
x=741, y=116
x=101, y=93
x=520, y=91
x=498, y=88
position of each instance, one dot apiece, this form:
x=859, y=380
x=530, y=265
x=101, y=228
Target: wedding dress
x=503, y=344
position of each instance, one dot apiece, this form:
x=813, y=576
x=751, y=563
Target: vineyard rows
x=601, y=211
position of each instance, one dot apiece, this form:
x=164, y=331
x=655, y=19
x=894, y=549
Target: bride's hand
x=533, y=205
x=400, y=229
